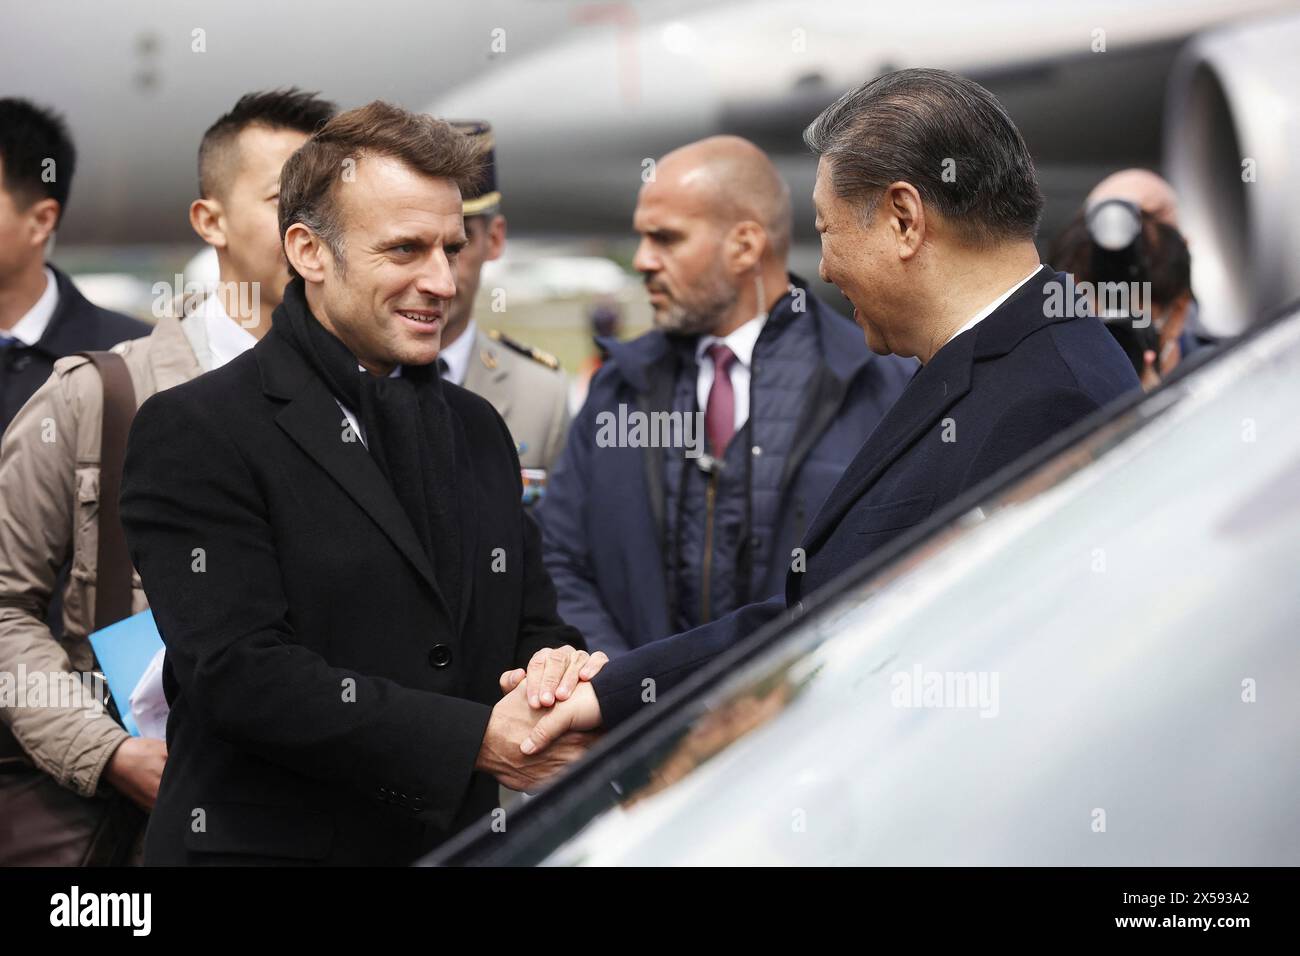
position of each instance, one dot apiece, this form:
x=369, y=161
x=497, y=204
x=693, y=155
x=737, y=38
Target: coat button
x=440, y=656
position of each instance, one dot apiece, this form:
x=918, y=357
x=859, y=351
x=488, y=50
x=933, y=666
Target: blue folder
x=124, y=650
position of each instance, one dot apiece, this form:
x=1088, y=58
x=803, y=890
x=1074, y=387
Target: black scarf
x=408, y=431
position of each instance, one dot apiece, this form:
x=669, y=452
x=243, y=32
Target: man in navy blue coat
x=645, y=541
x=927, y=205
x=43, y=317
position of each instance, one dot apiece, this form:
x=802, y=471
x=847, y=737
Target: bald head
x=731, y=180
x=1152, y=194
x=715, y=231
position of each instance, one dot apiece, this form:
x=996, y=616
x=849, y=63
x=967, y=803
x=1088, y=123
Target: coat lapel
x=935, y=389
x=657, y=397
x=171, y=355
x=314, y=421
x=824, y=396
x=467, y=515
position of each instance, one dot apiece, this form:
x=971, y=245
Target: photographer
x=1114, y=242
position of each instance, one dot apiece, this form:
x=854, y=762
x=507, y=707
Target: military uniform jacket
x=529, y=395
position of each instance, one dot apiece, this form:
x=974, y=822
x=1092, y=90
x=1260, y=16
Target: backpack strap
x=113, y=573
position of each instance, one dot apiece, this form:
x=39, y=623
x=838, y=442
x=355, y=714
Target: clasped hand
x=543, y=721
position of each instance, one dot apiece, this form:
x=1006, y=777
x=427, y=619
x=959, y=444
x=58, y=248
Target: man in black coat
x=42, y=315
x=927, y=205
x=333, y=542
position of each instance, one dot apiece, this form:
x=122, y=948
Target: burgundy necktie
x=720, y=414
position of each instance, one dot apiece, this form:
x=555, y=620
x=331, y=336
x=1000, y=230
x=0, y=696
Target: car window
x=1096, y=666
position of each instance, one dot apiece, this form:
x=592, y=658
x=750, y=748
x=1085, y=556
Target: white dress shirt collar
x=741, y=341
x=214, y=336
x=458, y=355
x=227, y=339
x=32, y=326
x=989, y=309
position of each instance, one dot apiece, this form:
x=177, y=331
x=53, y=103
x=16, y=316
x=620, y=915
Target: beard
x=698, y=314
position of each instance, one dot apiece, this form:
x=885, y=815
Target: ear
x=496, y=238
x=306, y=253
x=902, y=207
x=207, y=217
x=745, y=245
x=44, y=215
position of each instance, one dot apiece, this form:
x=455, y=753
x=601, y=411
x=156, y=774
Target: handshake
x=544, y=720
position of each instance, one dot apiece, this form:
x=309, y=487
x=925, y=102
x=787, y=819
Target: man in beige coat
x=56, y=757
x=524, y=384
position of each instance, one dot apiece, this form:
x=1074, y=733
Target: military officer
x=524, y=384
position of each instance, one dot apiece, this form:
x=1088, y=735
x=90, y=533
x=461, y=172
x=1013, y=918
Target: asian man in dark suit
x=333, y=540
x=927, y=205
x=43, y=317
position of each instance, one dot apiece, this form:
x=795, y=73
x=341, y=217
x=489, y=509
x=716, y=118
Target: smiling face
x=388, y=297
x=681, y=255
x=857, y=259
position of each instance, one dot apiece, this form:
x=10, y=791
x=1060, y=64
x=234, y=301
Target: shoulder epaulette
x=537, y=355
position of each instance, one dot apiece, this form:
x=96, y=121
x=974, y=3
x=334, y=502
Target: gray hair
x=947, y=136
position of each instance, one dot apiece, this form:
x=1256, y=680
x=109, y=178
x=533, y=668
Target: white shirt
x=215, y=337
x=32, y=326
x=227, y=339
x=351, y=416
x=989, y=309
x=741, y=342
x=458, y=355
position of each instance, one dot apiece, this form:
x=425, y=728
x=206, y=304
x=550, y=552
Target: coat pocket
x=79, y=592
x=86, y=533
x=894, y=515
x=85, y=553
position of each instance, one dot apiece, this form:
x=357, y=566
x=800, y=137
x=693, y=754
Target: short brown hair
x=427, y=145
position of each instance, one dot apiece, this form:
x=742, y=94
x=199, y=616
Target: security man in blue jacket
x=768, y=392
